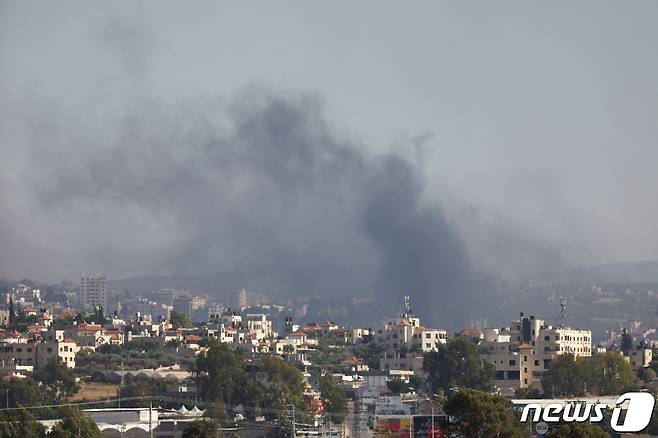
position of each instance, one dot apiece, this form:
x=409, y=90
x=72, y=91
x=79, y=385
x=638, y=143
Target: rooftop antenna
x=563, y=309
x=407, y=306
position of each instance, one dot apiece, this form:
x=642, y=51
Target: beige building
x=522, y=353
x=405, y=340
x=37, y=352
x=86, y=335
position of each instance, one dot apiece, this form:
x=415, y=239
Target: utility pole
x=432, y=418
x=150, y=419
x=294, y=430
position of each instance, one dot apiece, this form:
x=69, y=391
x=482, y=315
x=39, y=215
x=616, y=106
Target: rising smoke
x=259, y=183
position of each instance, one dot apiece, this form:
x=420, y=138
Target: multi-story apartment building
x=37, y=352
x=93, y=291
x=230, y=319
x=522, y=353
x=259, y=326
x=405, y=340
x=194, y=306
x=86, y=335
x=639, y=356
x=237, y=300
x=215, y=311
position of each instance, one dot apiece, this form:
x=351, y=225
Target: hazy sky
x=530, y=128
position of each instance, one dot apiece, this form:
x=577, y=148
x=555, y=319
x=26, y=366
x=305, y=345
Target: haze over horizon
x=425, y=143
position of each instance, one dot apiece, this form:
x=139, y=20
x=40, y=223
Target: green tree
x=217, y=411
x=12, y=314
x=272, y=383
x=180, y=319
x=646, y=374
x=480, y=414
x=22, y=320
x=607, y=373
x=146, y=388
x=613, y=374
x=75, y=424
x=23, y=392
x=173, y=343
x=398, y=386
x=654, y=365
x=458, y=364
x=333, y=396
x=532, y=393
x=58, y=380
x=580, y=430
x=373, y=354
x=652, y=428
x=202, y=429
x=20, y=423
x=220, y=373
x=567, y=375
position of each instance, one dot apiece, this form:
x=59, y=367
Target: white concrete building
x=405, y=341
x=93, y=291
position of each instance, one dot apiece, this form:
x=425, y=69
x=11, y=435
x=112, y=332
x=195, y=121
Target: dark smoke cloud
x=260, y=182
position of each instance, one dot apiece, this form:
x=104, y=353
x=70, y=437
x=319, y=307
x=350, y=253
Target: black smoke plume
x=259, y=184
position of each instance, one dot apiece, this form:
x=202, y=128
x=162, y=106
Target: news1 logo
x=638, y=412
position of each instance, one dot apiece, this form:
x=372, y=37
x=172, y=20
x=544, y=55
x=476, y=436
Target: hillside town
x=154, y=365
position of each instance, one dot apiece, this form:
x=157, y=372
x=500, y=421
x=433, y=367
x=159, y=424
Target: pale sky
x=534, y=125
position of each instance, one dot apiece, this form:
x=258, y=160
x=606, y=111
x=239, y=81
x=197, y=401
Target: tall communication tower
x=563, y=309
x=406, y=310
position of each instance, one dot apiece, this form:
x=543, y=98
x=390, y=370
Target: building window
x=536, y=363
x=512, y=362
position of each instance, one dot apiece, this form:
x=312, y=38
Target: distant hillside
x=277, y=283
x=629, y=272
